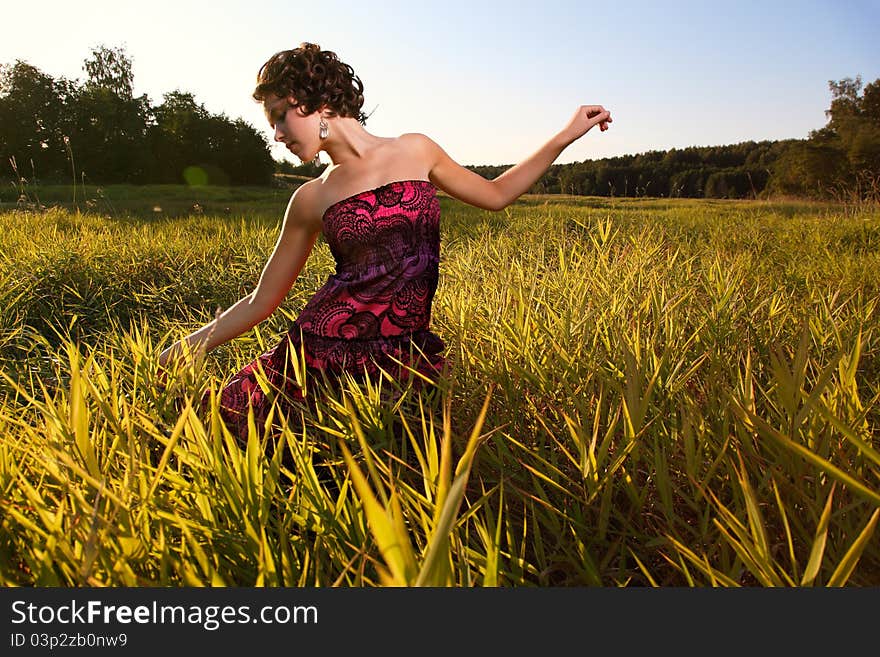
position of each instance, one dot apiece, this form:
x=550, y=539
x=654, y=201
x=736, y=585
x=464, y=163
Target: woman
x=377, y=207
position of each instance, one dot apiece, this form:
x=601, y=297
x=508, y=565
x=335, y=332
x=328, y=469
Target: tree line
x=734, y=171
x=98, y=131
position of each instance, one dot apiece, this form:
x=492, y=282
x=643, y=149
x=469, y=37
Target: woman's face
x=299, y=132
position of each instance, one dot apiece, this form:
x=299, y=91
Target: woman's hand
x=161, y=381
x=174, y=358
x=164, y=367
x=166, y=355
x=585, y=118
x=181, y=355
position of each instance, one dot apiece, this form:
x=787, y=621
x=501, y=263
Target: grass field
x=643, y=392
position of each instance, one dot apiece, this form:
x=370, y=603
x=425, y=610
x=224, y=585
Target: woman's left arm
x=497, y=194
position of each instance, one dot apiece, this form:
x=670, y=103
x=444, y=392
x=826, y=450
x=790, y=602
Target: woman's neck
x=348, y=141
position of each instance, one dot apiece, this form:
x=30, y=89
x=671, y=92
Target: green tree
x=192, y=145
x=109, y=137
x=810, y=169
x=110, y=69
x=248, y=158
x=842, y=157
x=178, y=140
x=871, y=102
x=34, y=119
x=855, y=122
x=845, y=101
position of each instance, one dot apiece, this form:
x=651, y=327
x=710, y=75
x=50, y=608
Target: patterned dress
x=374, y=311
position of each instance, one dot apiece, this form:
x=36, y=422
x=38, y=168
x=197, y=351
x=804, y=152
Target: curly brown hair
x=315, y=78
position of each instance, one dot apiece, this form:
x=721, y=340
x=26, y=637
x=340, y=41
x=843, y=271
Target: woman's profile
x=376, y=205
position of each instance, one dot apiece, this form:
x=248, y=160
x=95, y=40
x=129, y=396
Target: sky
x=491, y=81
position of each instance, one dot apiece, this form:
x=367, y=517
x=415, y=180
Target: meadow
x=642, y=392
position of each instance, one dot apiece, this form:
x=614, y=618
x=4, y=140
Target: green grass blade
x=848, y=564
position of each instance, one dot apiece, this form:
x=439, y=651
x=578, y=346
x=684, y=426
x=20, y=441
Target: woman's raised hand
x=585, y=118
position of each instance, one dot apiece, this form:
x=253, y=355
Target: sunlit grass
x=647, y=392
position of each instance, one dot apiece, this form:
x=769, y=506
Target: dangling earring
x=323, y=133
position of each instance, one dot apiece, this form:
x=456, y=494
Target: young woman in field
x=377, y=207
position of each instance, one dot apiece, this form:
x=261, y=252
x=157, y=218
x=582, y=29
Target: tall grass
x=649, y=392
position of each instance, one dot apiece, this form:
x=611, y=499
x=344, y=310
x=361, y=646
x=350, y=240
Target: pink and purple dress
x=374, y=311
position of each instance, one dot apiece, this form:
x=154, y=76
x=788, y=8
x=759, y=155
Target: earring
x=317, y=160
x=324, y=129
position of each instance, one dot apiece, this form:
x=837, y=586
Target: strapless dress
x=372, y=314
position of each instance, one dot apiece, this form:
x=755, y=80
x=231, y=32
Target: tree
x=845, y=101
x=249, y=158
x=842, y=157
x=863, y=148
x=109, y=137
x=809, y=169
x=855, y=121
x=189, y=144
x=110, y=69
x=871, y=102
x=34, y=120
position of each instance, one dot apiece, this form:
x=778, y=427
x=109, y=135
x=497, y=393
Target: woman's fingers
x=598, y=115
x=585, y=118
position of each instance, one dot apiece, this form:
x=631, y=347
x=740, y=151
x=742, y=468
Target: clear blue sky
x=491, y=81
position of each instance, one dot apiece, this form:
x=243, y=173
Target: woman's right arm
x=299, y=232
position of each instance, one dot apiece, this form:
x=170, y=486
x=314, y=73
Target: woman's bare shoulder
x=420, y=148
x=303, y=207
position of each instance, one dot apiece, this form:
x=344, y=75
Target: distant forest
x=96, y=131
